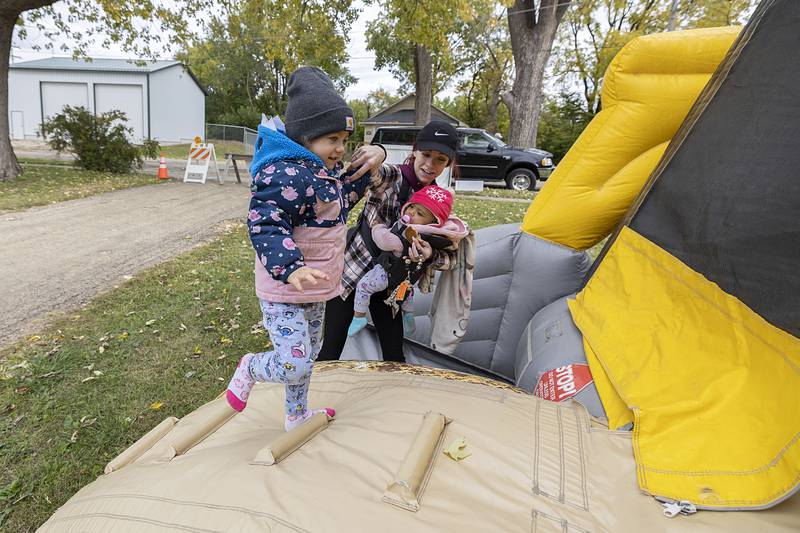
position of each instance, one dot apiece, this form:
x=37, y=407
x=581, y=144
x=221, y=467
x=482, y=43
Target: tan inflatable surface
x=534, y=466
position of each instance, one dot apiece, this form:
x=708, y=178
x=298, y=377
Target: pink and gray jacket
x=298, y=213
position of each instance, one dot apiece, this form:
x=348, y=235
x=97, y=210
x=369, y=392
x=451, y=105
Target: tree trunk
x=491, y=120
x=423, y=72
x=9, y=167
x=531, y=40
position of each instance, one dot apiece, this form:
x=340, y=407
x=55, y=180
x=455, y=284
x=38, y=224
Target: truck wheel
x=521, y=179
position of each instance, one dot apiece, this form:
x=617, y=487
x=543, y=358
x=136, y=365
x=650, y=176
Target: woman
x=433, y=151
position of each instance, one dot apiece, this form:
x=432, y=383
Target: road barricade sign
x=201, y=158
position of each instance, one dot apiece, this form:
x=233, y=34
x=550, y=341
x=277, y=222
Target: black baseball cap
x=438, y=135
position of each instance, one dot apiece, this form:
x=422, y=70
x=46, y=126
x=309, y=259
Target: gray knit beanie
x=314, y=107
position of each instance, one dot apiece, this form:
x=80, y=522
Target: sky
x=361, y=63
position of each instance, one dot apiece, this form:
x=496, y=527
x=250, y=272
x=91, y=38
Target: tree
x=413, y=39
x=485, y=52
x=79, y=21
x=532, y=30
x=251, y=47
x=562, y=120
x=594, y=31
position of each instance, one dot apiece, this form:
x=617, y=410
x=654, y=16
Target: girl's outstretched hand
x=420, y=249
x=367, y=159
x=305, y=274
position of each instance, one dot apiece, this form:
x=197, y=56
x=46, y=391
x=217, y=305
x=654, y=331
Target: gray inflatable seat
x=550, y=341
x=516, y=275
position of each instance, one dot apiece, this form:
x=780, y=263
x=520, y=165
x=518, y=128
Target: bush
x=150, y=149
x=99, y=142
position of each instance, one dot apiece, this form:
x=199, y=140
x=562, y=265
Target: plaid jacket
x=382, y=206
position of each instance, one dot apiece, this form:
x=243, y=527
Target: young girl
x=298, y=210
x=434, y=150
x=427, y=215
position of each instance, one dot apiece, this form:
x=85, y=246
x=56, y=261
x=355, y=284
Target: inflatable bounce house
x=668, y=368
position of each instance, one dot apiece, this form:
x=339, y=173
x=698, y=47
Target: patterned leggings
x=294, y=330
x=376, y=280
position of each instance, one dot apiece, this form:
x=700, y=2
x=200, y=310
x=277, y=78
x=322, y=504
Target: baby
x=427, y=215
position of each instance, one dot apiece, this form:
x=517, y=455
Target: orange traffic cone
x=162, y=169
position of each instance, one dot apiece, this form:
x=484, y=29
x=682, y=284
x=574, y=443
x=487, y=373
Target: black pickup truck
x=482, y=156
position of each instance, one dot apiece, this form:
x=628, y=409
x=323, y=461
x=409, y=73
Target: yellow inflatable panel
x=714, y=388
x=647, y=91
x=617, y=412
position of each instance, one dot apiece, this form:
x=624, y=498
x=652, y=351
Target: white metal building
x=162, y=99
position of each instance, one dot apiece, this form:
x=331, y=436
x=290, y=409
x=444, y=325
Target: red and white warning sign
x=563, y=382
x=201, y=157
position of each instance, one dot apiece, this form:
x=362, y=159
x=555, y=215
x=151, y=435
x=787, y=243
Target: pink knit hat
x=438, y=201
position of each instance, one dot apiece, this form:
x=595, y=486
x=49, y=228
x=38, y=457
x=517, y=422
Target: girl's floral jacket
x=298, y=213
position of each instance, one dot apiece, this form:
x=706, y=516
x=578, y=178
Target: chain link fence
x=240, y=134
x=227, y=133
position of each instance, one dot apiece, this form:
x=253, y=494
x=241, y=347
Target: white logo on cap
x=438, y=133
x=349, y=124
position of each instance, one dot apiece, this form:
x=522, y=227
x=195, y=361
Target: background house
x=162, y=99
x=401, y=113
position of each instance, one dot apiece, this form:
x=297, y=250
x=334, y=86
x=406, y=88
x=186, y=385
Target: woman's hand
x=367, y=158
x=420, y=250
x=305, y=274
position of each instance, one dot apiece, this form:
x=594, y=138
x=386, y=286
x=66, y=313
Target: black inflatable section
x=727, y=201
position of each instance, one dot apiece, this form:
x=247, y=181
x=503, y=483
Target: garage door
x=56, y=94
x=125, y=98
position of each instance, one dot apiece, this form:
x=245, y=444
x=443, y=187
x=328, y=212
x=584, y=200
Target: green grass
x=43, y=161
x=497, y=192
x=78, y=393
x=181, y=151
x=42, y=185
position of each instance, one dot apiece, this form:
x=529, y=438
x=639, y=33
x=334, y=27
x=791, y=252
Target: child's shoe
x=356, y=325
x=295, y=420
x=409, y=325
x=240, y=385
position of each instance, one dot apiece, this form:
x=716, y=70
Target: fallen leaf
x=74, y=436
x=183, y=327
x=225, y=340
x=34, y=338
x=97, y=372
x=197, y=350
x=122, y=336
x=190, y=374
x=150, y=322
x=89, y=367
x=155, y=406
x=101, y=349
x=455, y=450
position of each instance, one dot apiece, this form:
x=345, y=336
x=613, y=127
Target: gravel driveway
x=58, y=257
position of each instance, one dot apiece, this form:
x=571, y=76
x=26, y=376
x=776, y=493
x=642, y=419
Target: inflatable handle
x=290, y=441
x=135, y=450
x=406, y=489
x=189, y=432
